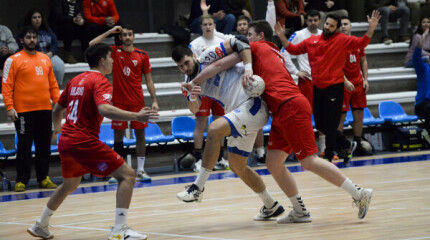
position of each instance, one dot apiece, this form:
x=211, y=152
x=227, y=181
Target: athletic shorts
x=88, y=156
x=245, y=121
x=292, y=129
x=307, y=89
x=207, y=105
x=356, y=98
x=121, y=125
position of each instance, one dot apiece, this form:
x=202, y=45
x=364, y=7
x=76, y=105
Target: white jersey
x=302, y=59
x=200, y=43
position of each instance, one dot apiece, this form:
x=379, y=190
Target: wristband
x=193, y=99
x=192, y=84
x=248, y=66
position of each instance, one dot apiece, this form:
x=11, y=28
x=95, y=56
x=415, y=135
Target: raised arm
x=373, y=22
x=101, y=37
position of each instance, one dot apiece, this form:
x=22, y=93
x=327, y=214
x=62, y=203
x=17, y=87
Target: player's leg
x=201, y=124
x=217, y=112
x=259, y=147
x=141, y=175
x=358, y=103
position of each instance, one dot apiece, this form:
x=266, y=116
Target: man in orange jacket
x=29, y=85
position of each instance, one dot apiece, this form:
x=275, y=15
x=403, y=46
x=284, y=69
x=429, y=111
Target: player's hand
x=155, y=106
x=116, y=29
x=349, y=86
x=203, y=6
x=146, y=114
x=279, y=29
x=373, y=21
x=303, y=74
x=54, y=138
x=247, y=78
x=329, y=4
x=366, y=85
x=12, y=115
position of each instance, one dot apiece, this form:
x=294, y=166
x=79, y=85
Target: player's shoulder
x=140, y=51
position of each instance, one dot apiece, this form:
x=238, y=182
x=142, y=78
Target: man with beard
x=29, y=85
x=129, y=65
x=327, y=56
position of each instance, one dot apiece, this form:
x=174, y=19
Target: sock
x=298, y=204
x=141, y=164
x=46, y=216
x=202, y=177
x=321, y=142
x=351, y=188
x=221, y=154
x=260, y=152
x=198, y=153
x=119, y=148
x=267, y=198
x=358, y=140
x=120, y=217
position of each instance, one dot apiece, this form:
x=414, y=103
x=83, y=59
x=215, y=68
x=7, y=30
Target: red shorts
x=88, y=156
x=207, y=105
x=356, y=98
x=292, y=129
x=121, y=125
x=307, y=89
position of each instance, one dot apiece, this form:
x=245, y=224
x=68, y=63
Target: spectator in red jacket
x=290, y=13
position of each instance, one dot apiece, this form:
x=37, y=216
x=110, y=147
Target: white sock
x=141, y=164
x=202, y=177
x=267, y=198
x=120, y=217
x=46, y=216
x=351, y=188
x=298, y=204
x=260, y=152
x=321, y=143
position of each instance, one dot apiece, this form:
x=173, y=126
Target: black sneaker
x=267, y=213
x=261, y=160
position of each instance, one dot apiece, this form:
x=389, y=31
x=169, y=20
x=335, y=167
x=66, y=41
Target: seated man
x=224, y=22
x=8, y=45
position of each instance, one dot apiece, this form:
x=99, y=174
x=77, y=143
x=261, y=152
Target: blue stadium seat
x=268, y=126
x=54, y=148
x=106, y=135
x=368, y=119
x=183, y=131
x=313, y=121
x=392, y=112
x=4, y=153
x=153, y=134
x=129, y=141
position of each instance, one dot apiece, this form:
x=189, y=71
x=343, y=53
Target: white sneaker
x=142, y=176
x=222, y=165
x=363, y=202
x=295, y=217
x=112, y=180
x=197, y=165
x=267, y=213
x=38, y=231
x=125, y=232
x=192, y=193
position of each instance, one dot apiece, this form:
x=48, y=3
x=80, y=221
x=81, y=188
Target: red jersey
x=128, y=68
x=81, y=97
x=352, y=67
x=268, y=63
x=327, y=56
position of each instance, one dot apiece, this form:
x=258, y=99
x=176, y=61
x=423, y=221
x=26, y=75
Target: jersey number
x=73, y=107
x=39, y=70
x=352, y=58
x=126, y=71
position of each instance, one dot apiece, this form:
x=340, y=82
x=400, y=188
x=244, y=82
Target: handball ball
x=366, y=146
x=256, y=87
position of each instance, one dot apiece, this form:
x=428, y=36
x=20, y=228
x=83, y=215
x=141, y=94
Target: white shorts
x=245, y=121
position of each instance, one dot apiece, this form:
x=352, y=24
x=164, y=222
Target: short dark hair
x=313, y=13
x=96, y=52
x=27, y=29
x=264, y=27
x=243, y=17
x=128, y=26
x=336, y=18
x=181, y=51
x=344, y=18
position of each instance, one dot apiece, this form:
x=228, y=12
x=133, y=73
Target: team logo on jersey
x=118, y=50
x=102, y=166
x=44, y=61
x=219, y=52
x=107, y=97
x=134, y=62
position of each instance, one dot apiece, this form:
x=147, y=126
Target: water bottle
x=175, y=164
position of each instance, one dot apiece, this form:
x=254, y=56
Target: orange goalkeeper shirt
x=29, y=82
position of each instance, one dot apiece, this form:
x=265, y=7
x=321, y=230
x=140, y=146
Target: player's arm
x=364, y=71
x=151, y=90
x=216, y=67
x=101, y=37
x=194, y=104
x=57, y=116
x=8, y=86
x=114, y=113
x=237, y=44
x=348, y=85
x=373, y=22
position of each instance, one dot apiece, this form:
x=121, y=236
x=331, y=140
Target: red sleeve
x=63, y=98
x=112, y=11
x=86, y=8
x=102, y=92
x=146, y=65
x=362, y=53
x=298, y=49
x=301, y=8
x=283, y=9
x=352, y=42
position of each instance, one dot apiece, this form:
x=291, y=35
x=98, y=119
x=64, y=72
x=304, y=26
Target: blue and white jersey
x=226, y=87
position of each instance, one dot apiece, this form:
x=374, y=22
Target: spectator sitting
x=69, y=20
x=422, y=103
x=242, y=25
x=224, y=22
x=8, y=45
x=290, y=13
x=325, y=7
x=423, y=25
x=46, y=41
x=237, y=8
x=101, y=16
x=391, y=10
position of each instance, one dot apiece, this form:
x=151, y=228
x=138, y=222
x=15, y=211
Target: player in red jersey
x=129, y=65
x=292, y=118
x=87, y=100
x=356, y=87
